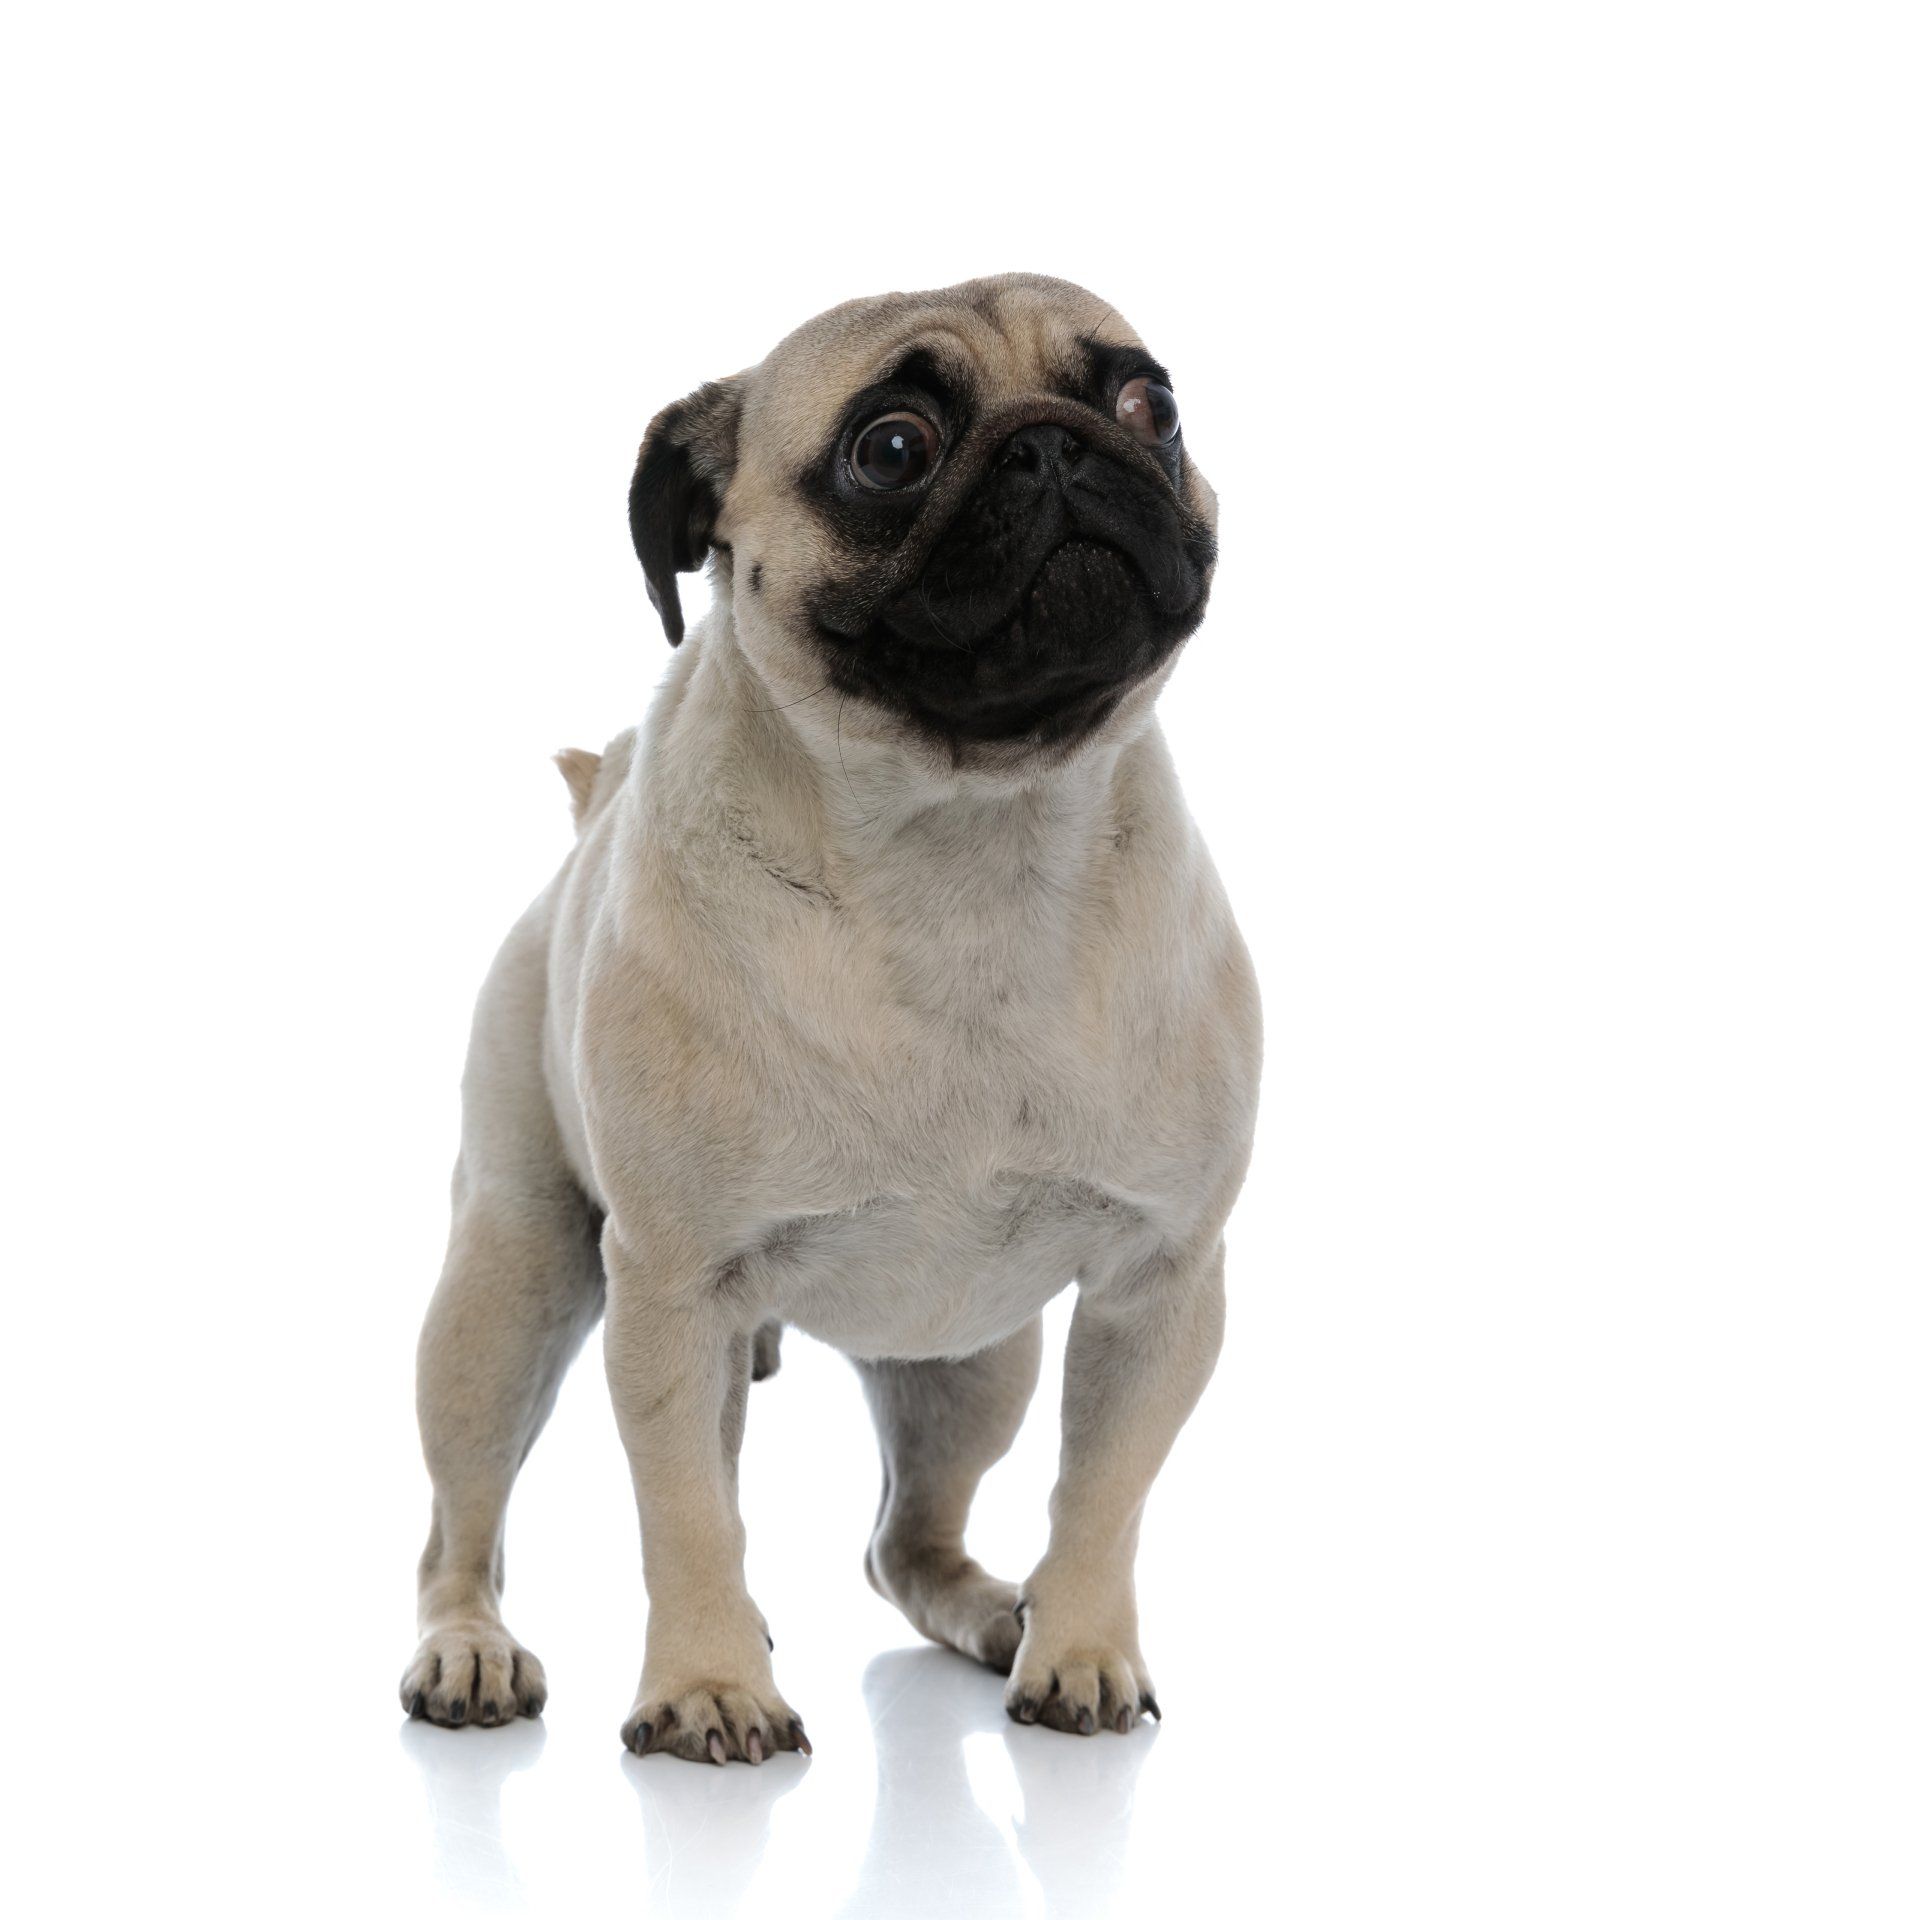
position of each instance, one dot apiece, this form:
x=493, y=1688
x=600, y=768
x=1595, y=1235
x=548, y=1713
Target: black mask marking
x=1036, y=578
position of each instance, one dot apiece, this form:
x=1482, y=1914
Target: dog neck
x=839, y=799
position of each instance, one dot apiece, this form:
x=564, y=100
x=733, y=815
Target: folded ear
x=685, y=463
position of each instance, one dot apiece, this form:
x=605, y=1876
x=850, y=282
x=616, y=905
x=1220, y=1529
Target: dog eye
x=894, y=451
x=1145, y=408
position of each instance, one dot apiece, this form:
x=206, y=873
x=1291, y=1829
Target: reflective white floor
x=965, y=1813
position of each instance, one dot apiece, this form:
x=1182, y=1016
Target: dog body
x=887, y=991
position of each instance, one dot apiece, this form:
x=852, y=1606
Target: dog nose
x=1043, y=451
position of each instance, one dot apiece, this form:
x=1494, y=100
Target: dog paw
x=713, y=1722
x=472, y=1674
x=975, y=1615
x=951, y=1599
x=992, y=1634
x=1078, y=1684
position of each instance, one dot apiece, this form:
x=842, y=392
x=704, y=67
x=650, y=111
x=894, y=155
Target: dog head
x=972, y=512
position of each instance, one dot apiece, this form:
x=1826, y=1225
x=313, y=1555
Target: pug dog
x=887, y=990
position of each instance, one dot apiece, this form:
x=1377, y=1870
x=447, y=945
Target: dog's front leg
x=1140, y=1350
x=678, y=1364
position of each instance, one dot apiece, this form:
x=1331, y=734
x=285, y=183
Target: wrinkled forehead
x=1000, y=338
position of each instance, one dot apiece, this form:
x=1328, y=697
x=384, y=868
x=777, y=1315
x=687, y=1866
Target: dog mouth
x=1028, y=623
x=1080, y=595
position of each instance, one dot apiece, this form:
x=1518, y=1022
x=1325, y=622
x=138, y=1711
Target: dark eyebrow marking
x=921, y=367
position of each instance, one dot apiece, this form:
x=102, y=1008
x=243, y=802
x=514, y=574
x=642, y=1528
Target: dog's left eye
x=1146, y=409
x=894, y=451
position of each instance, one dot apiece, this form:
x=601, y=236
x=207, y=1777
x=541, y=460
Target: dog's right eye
x=895, y=451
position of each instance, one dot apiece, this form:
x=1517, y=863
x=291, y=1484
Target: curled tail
x=579, y=769
x=594, y=778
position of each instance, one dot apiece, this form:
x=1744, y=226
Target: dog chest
x=944, y=1272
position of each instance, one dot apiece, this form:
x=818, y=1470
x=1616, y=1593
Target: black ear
x=685, y=463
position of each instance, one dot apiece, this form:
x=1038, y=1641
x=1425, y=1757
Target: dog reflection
x=706, y=1830
x=463, y=1778
x=935, y=1849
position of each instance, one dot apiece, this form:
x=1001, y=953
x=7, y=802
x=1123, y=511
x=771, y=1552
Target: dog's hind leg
x=521, y=1288
x=942, y=1424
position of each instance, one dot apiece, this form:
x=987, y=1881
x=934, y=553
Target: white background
x=1546, y=1543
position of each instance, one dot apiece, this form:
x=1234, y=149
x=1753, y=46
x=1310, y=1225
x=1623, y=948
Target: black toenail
x=1084, y=1720
x=457, y=1712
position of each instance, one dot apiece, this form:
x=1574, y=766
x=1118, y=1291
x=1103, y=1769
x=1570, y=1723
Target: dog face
x=972, y=512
